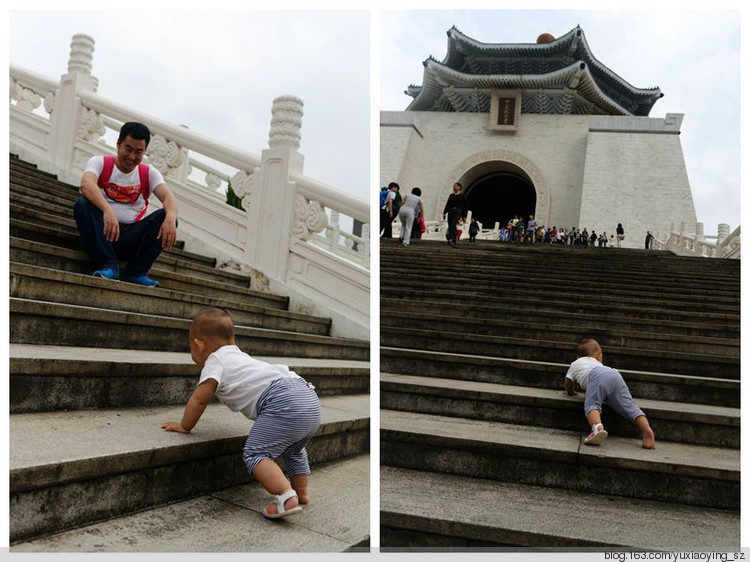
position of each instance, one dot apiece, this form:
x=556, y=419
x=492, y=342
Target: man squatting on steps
x=111, y=211
x=603, y=385
x=284, y=406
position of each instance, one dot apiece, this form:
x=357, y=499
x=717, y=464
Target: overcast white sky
x=218, y=72
x=692, y=56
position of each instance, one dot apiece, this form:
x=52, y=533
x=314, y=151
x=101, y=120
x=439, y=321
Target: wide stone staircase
x=480, y=447
x=97, y=366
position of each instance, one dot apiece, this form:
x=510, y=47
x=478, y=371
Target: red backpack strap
x=143, y=175
x=109, y=165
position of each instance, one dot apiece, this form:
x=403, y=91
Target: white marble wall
x=588, y=171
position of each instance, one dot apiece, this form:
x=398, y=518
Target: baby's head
x=211, y=329
x=589, y=347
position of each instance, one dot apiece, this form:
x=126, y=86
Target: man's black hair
x=136, y=131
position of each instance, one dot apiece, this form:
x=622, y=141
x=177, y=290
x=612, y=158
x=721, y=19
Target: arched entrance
x=499, y=184
x=498, y=196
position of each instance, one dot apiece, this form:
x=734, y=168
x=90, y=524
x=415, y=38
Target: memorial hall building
x=541, y=129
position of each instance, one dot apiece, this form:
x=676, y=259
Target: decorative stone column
x=699, y=233
x=66, y=112
x=723, y=233
x=272, y=211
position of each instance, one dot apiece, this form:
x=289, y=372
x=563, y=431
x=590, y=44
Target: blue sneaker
x=142, y=280
x=107, y=273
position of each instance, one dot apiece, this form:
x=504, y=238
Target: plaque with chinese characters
x=505, y=110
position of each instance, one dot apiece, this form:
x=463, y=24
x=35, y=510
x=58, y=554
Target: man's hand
x=111, y=225
x=167, y=233
x=174, y=426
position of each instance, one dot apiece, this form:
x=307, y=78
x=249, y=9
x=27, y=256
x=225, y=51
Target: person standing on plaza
x=456, y=208
x=473, y=230
x=620, y=234
x=531, y=229
x=649, y=239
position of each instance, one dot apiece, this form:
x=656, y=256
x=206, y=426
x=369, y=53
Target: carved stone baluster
x=334, y=231
x=363, y=247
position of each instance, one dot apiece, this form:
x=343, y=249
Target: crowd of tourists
x=410, y=211
x=520, y=231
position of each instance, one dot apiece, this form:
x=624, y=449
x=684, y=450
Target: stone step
x=46, y=323
x=621, y=263
x=714, y=426
x=518, y=284
x=495, y=253
x=51, y=378
x=622, y=358
x=632, y=335
x=55, y=202
x=169, y=276
x=52, y=237
x=38, y=283
x=549, y=375
x=337, y=519
x=471, y=513
x=535, y=299
x=672, y=279
x=69, y=469
x=674, y=472
x=564, y=313
x=25, y=172
x=40, y=227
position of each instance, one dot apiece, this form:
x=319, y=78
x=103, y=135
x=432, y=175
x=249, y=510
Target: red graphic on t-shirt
x=123, y=193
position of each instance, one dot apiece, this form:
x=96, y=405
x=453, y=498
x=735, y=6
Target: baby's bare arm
x=570, y=387
x=195, y=407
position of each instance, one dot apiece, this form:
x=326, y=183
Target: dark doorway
x=499, y=196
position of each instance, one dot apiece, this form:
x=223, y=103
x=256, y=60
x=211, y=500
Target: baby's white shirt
x=579, y=370
x=241, y=378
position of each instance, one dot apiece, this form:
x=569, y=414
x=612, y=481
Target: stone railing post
x=721, y=235
x=335, y=231
x=66, y=114
x=364, y=246
x=272, y=202
x=699, y=233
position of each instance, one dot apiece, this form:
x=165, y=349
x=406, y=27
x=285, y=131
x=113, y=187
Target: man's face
x=130, y=152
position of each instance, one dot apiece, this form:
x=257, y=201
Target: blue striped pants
x=606, y=386
x=288, y=417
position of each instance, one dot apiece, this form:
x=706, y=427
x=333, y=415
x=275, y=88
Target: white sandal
x=280, y=501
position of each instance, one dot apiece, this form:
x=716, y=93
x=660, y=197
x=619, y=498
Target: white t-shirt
x=131, y=203
x=411, y=202
x=241, y=378
x=391, y=195
x=579, y=370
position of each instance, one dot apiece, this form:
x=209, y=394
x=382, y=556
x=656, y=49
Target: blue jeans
x=137, y=244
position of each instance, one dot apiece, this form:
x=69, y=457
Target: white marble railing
x=722, y=245
x=292, y=235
